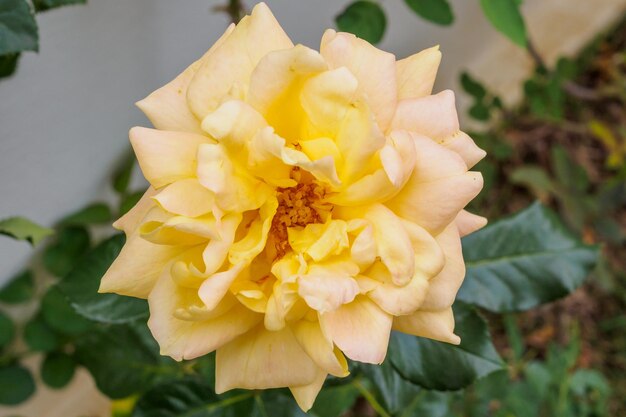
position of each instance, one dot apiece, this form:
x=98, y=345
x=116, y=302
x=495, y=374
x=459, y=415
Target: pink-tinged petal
x=167, y=107
x=320, y=348
x=416, y=74
x=462, y=144
x=394, y=299
x=263, y=359
x=360, y=329
x=131, y=220
x=438, y=188
x=138, y=266
x=374, y=69
x=436, y=325
x=305, y=395
x=393, y=243
x=363, y=250
x=189, y=339
x=469, y=223
x=442, y=289
x=429, y=258
x=165, y=157
x=186, y=198
x=225, y=73
x=327, y=291
x=433, y=116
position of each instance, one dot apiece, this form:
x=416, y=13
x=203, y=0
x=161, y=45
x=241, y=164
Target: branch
x=535, y=55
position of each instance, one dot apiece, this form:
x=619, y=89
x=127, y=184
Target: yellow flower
x=302, y=205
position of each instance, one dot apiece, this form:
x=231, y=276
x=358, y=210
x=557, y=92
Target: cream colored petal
x=137, y=268
x=180, y=230
x=233, y=124
x=360, y=329
x=321, y=349
x=437, y=325
x=275, y=87
x=374, y=69
x=225, y=73
x=187, y=339
x=305, y=395
x=186, y=198
x=402, y=300
x=167, y=107
x=244, y=250
x=363, y=250
x=442, y=289
x=433, y=116
x=416, y=74
x=215, y=287
x=131, y=220
x=462, y=144
x=393, y=243
x=438, y=188
x=263, y=359
x=469, y=223
x=429, y=257
x=165, y=157
x=327, y=291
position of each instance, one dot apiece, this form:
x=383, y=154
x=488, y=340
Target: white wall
x=64, y=117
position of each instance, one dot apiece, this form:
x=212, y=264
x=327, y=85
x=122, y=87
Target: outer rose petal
x=226, y=72
x=462, y=144
x=442, y=289
x=398, y=300
x=416, y=74
x=132, y=219
x=469, y=223
x=305, y=395
x=374, y=69
x=438, y=188
x=167, y=107
x=321, y=349
x=185, y=339
x=137, y=268
x=165, y=157
x=263, y=359
x=360, y=329
x=186, y=198
x=437, y=325
x=433, y=116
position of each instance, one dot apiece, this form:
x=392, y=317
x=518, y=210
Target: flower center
x=297, y=206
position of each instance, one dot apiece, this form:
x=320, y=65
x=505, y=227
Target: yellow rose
x=302, y=205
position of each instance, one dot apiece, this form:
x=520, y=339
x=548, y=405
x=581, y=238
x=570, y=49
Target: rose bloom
x=302, y=205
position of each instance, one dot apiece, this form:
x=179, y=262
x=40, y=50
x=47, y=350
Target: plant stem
x=371, y=399
x=535, y=55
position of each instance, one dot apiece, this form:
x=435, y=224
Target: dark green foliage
x=366, y=19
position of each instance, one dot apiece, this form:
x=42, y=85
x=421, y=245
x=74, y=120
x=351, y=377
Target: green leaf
x=192, y=396
x=335, y=400
x=365, y=19
x=129, y=201
x=505, y=16
x=60, y=315
x=43, y=5
x=92, y=214
x=479, y=111
x=81, y=287
x=523, y=261
x=7, y=330
x=436, y=11
x=39, y=336
x=395, y=392
x=60, y=257
x=16, y=385
x=8, y=64
x=122, y=359
x=535, y=178
x=568, y=173
x=23, y=229
x=19, y=289
x=57, y=370
x=429, y=404
x=122, y=175
x=18, y=28
x=472, y=87
x=442, y=366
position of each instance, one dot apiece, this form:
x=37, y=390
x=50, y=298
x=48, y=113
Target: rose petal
x=416, y=74
x=437, y=325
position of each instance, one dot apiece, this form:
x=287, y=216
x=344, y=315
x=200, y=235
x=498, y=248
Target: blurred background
x=65, y=114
